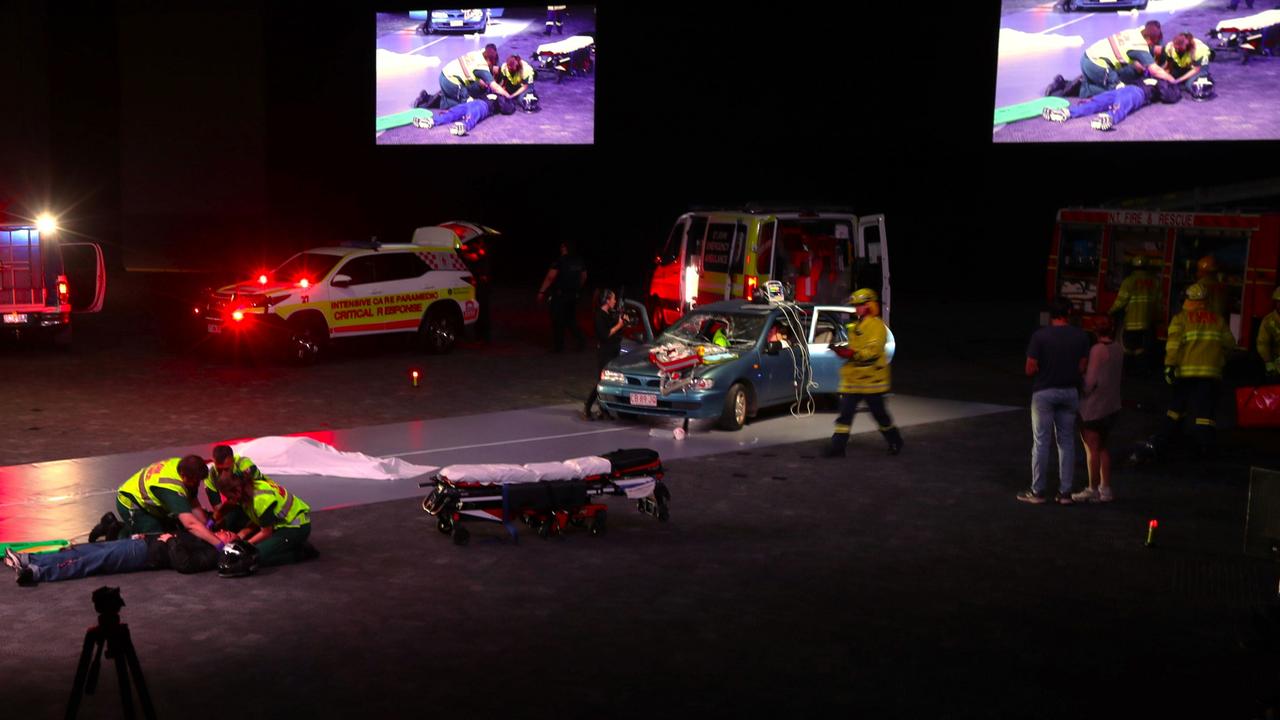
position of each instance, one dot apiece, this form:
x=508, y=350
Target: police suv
x=356, y=289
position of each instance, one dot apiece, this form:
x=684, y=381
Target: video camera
x=107, y=602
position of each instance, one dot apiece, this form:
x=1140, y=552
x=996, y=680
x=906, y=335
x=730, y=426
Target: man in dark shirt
x=560, y=289
x=609, y=324
x=1056, y=358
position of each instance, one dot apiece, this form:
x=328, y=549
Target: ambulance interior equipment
x=44, y=280
x=548, y=496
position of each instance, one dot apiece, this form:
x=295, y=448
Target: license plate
x=644, y=399
x=215, y=329
x=15, y=317
x=455, y=23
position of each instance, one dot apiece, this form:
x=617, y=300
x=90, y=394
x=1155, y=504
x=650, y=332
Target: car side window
x=829, y=328
x=363, y=270
x=398, y=266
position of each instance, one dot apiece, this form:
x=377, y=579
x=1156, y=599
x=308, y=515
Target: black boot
x=836, y=447
x=108, y=528
x=894, y=438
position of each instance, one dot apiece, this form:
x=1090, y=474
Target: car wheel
x=734, y=414
x=307, y=339
x=439, y=330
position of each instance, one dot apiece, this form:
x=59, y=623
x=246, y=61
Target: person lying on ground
x=181, y=551
x=466, y=116
x=1113, y=106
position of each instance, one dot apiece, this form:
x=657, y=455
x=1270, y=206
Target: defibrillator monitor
x=486, y=76
x=1133, y=70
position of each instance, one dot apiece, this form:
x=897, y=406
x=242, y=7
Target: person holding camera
x=609, y=323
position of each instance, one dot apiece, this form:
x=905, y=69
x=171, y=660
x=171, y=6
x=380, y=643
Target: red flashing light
x=1153, y=524
x=262, y=279
x=304, y=283
x=62, y=291
x=196, y=310
x=413, y=376
x=237, y=315
x=749, y=288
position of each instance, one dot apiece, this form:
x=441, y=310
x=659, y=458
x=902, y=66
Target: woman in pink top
x=1099, y=406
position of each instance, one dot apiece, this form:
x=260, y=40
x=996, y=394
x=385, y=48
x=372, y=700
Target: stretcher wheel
x=598, y=522
x=461, y=535
x=426, y=504
x=663, y=514
x=445, y=524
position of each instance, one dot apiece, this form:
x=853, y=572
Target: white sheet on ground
x=1014, y=42
x=305, y=456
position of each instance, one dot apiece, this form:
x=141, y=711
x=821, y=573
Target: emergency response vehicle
x=1092, y=251
x=44, y=280
x=356, y=289
x=821, y=255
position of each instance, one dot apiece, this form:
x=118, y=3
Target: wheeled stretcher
x=546, y=496
x=1252, y=35
x=569, y=57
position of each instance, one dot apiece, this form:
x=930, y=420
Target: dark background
x=179, y=134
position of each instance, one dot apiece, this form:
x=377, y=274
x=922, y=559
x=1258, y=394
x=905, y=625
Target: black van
x=43, y=280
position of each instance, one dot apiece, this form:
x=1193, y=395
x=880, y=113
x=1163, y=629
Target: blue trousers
x=470, y=113
x=100, y=558
x=1117, y=103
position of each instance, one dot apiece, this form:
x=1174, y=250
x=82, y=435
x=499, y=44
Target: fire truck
x=1091, y=249
x=821, y=255
x=44, y=279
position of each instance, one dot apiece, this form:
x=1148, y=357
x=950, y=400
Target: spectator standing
x=1056, y=358
x=1099, y=407
x=560, y=289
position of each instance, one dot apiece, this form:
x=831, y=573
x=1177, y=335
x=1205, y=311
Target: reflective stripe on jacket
x=141, y=487
x=1138, y=296
x=1199, y=341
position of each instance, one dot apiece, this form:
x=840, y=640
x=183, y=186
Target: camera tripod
x=114, y=635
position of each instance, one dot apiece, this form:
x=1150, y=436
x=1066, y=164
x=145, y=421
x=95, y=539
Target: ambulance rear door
x=871, y=263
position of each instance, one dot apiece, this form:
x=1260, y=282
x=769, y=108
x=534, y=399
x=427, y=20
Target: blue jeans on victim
x=1053, y=416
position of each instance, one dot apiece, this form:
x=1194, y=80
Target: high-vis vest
x=1269, y=337
x=462, y=70
x=1198, y=55
x=867, y=372
x=1199, y=341
x=242, y=465
x=1113, y=50
x=139, y=491
x=511, y=81
x=1138, y=296
x=289, y=509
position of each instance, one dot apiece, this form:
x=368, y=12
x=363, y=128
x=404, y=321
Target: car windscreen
x=310, y=266
x=739, y=329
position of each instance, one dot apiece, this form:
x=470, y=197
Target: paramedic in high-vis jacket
x=1124, y=57
x=864, y=375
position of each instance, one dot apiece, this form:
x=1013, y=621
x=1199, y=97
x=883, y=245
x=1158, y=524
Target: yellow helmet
x=1195, y=291
x=1207, y=264
x=862, y=296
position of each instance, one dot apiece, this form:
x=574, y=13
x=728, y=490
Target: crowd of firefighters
x=1199, y=341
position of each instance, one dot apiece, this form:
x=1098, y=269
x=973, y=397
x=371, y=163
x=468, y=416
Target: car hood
x=636, y=362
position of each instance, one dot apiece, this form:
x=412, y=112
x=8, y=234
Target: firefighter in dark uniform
x=560, y=288
x=1137, y=300
x=1269, y=339
x=864, y=375
x=1197, y=348
x=555, y=19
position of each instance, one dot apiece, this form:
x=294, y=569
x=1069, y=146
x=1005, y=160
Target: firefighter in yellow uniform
x=555, y=19
x=1197, y=348
x=279, y=521
x=864, y=375
x=161, y=496
x=1269, y=339
x=1139, y=294
x=1124, y=57
x=1215, y=290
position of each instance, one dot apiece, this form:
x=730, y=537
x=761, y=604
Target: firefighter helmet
x=1196, y=291
x=1207, y=264
x=863, y=296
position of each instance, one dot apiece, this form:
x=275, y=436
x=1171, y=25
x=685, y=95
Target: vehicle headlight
x=440, y=14
x=702, y=383
x=473, y=15
x=613, y=376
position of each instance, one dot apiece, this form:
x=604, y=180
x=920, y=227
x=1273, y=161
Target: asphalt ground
x=567, y=114
x=784, y=583
x=1242, y=110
